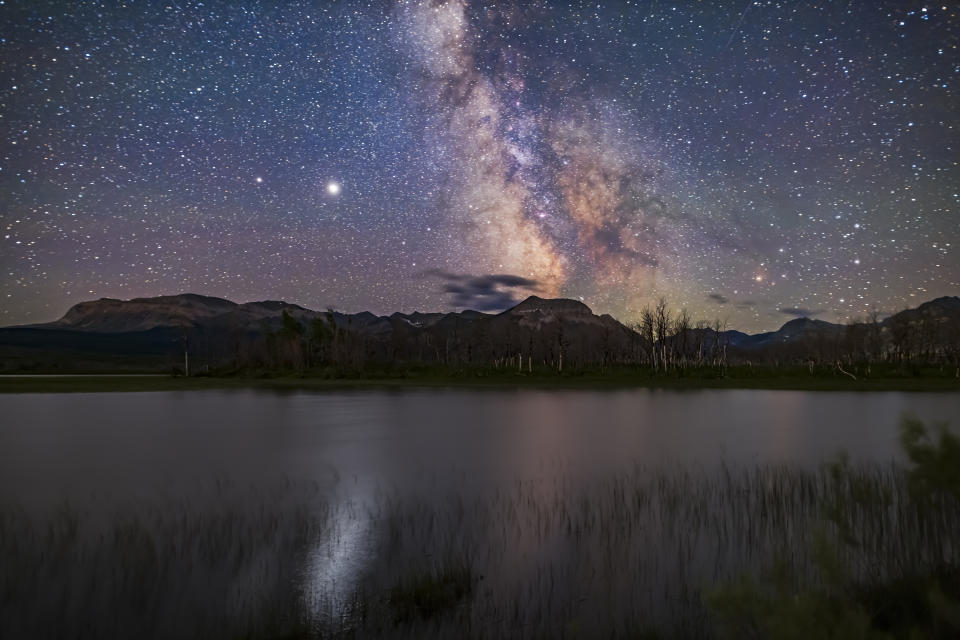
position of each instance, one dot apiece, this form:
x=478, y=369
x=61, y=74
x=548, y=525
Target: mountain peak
x=182, y=299
x=950, y=303
x=807, y=324
x=798, y=323
x=551, y=305
x=140, y=314
x=275, y=305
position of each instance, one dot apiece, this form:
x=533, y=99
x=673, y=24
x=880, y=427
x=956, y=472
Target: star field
x=747, y=160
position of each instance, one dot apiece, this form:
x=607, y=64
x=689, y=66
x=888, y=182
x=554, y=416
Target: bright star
x=333, y=188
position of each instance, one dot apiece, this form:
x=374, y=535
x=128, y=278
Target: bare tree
x=900, y=333
x=854, y=341
x=647, y=333
x=719, y=343
x=661, y=328
x=701, y=329
x=681, y=336
x=875, y=347
x=291, y=335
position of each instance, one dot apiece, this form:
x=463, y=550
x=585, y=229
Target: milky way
x=749, y=161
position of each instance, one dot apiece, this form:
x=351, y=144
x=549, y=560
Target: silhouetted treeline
x=662, y=340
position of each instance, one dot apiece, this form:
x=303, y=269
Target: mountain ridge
x=144, y=313
x=157, y=328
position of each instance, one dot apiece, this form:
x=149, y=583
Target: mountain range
x=150, y=333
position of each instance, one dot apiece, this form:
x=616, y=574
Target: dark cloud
x=719, y=299
x=488, y=292
x=800, y=311
x=747, y=303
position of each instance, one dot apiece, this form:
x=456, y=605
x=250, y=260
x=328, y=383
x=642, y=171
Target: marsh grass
x=852, y=583
x=636, y=551
x=431, y=593
x=630, y=554
x=181, y=568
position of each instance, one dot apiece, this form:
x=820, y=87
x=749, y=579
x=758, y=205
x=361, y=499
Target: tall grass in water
x=220, y=566
x=635, y=552
x=846, y=587
x=627, y=555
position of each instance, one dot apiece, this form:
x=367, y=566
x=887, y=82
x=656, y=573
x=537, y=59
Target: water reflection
x=334, y=565
x=543, y=491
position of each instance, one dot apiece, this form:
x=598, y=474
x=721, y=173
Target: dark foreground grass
x=758, y=552
x=880, y=378
x=431, y=593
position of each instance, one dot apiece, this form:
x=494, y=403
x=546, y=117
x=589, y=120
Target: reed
x=629, y=554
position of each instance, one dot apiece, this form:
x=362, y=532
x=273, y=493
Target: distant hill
x=945, y=307
x=108, y=315
x=796, y=329
x=151, y=334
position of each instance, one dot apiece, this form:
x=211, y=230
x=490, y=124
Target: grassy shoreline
x=737, y=379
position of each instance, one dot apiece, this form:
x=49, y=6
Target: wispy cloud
x=800, y=311
x=487, y=292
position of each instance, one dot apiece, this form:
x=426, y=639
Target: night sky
x=748, y=160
